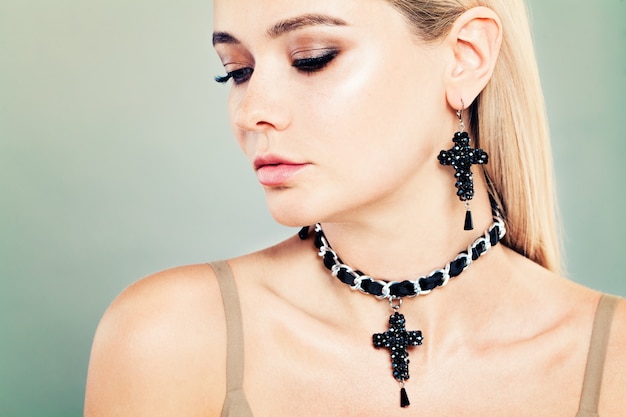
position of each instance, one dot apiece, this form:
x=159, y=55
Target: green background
x=116, y=161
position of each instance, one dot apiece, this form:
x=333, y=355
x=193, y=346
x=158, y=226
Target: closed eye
x=307, y=65
x=239, y=76
x=313, y=64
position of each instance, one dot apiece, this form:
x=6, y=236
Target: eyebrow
x=285, y=26
x=298, y=22
x=224, y=37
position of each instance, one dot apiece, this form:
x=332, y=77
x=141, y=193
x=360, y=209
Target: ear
x=475, y=41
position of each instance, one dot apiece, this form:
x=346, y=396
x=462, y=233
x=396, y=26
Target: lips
x=274, y=171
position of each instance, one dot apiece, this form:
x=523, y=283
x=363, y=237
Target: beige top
x=236, y=404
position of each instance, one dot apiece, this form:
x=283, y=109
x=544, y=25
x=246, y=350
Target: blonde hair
x=508, y=121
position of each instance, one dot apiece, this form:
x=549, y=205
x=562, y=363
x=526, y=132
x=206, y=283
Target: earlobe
x=475, y=41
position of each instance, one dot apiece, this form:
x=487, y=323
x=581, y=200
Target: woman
x=346, y=110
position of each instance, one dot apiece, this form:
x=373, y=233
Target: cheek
x=366, y=111
x=378, y=134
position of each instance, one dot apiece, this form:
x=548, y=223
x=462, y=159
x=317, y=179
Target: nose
x=261, y=104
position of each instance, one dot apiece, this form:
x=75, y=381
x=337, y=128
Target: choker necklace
x=397, y=339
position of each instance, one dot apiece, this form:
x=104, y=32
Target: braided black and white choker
x=397, y=339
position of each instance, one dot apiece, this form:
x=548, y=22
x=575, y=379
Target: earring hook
x=459, y=114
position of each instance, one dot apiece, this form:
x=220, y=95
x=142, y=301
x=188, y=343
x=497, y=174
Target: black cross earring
x=461, y=157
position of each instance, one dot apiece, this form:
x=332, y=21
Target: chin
x=293, y=218
x=292, y=211
x=305, y=206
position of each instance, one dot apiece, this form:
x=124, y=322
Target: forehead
x=279, y=9
x=258, y=16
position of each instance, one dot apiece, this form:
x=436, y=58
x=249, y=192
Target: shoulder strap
x=235, y=403
x=595, y=358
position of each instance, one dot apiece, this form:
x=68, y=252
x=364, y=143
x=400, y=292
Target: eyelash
x=239, y=76
x=306, y=65
x=316, y=63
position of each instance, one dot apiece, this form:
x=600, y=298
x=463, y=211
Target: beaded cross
x=397, y=339
x=461, y=157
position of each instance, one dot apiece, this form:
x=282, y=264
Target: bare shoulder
x=613, y=397
x=160, y=347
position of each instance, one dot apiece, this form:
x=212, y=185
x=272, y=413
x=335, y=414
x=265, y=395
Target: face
x=339, y=108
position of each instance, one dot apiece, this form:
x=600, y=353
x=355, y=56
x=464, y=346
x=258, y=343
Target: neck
x=397, y=247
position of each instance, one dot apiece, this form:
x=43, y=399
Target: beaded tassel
x=404, y=399
x=469, y=223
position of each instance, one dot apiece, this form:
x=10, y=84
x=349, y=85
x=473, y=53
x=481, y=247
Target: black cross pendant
x=397, y=339
x=462, y=156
